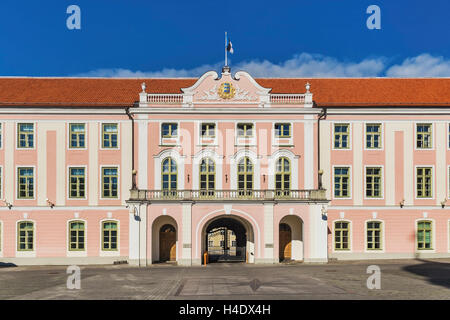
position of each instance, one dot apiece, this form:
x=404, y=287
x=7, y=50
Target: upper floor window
x=169, y=130
x=169, y=174
x=423, y=136
x=341, y=235
x=77, y=185
x=373, y=136
x=424, y=235
x=245, y=130
x=77, y=135
x=245, y=174
x=341, y=136
x=25, y=236
x=76, y=236
x=109, y=236
x=110, y=182
x=208, y=130
x=374, y=235
x=25, y=183
x=25, y=135
x=373, y=182
x=207, y=174
x=341, y=182
x=424, y=180
x=283, y=174
x=110, y=135
x=283, y=130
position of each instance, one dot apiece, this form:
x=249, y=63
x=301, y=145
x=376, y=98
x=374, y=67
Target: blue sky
x=185, y=38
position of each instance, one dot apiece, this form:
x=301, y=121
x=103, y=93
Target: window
x=373, y=136
x=283, y=175
x=424, y=234
x=210, y=243
x=25, y=136
x=77, y=184
x=373, y=182
x=245, y=175
x=424, y=180
x=245, y=130
x=25, y=183
x=341, y=182
x=208, y=130
x=423, y=136
x=76, y=236
x=109, y=230
x=374, y=235
x=341, y=235
x=233, y=243
x=25, y=235
x=110, y=135
x=341, y=136
x=169, y=174
x=169, y=130
x=283, y=130
x=77, y=135
x=207, y=174
x=109, y=183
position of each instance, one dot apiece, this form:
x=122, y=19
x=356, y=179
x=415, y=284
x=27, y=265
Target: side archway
x=164, y=239
x=291, y=246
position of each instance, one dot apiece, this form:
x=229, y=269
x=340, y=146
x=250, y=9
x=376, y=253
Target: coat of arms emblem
x=226, y=90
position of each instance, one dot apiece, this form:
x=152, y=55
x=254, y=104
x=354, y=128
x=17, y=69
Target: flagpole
x=226, y=58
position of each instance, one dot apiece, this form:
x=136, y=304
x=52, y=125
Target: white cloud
x=423, y=65
x=309, y=65
x=304, y=65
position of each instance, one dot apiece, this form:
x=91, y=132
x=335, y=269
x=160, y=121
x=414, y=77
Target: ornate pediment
x=240, y=89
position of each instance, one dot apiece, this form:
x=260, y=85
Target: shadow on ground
x=437, y=273
x=7, y=265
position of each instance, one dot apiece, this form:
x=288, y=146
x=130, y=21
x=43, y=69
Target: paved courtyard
x=405, y=279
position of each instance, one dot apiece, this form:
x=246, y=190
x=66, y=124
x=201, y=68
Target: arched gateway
x=228, y=238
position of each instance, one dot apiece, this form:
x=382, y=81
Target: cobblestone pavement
x=400, y=279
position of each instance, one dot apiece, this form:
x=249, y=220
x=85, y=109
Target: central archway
x=228, y=238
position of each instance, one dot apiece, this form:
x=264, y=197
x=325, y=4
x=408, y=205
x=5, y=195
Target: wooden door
x=167, y=243
x=285, y=242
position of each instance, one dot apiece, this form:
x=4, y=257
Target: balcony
x=228, y=195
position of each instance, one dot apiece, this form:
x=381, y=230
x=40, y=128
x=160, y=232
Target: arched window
x=169, y=174
x=207, y=175
x=245, y=176
x=283, y=176
x=25, y=236
x=76, y=236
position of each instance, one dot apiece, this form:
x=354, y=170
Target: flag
x=230, y=47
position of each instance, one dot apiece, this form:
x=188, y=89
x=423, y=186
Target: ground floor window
x=341, y=235
x=373, y=235
x=76, y=236
x=424, y=234
x=109, y=231
x=25, y=235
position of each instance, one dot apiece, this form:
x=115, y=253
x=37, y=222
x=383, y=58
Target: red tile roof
x=107, y=92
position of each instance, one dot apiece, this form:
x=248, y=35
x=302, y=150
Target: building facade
x=254, y=170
